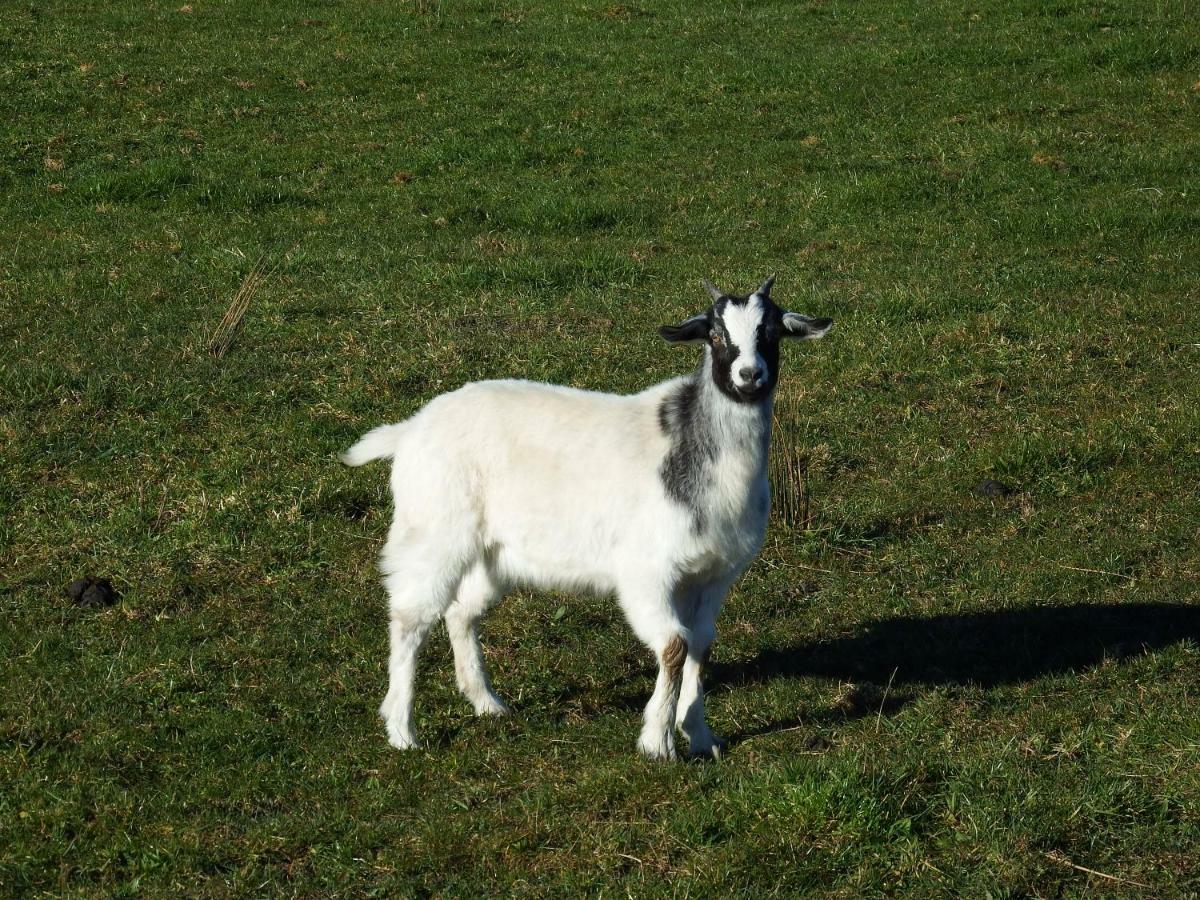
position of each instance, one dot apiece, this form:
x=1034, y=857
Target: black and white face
x=743, y=335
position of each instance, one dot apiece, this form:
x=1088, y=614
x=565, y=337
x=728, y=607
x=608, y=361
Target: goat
x=660, y=497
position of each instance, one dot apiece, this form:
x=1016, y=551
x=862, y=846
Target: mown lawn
x=927, y=691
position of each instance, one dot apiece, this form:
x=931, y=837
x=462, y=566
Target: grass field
x=926, y=691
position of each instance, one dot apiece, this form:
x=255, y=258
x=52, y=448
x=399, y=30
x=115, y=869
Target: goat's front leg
x=655, y=621
x=690, y=712
x=658, y=739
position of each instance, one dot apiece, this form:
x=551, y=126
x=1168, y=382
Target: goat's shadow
x=985, y=649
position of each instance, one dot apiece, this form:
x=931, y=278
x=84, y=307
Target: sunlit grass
x=927, y=691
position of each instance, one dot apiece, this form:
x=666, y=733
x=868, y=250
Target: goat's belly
x=551, y=549
x=573, y=533
x=536, y=565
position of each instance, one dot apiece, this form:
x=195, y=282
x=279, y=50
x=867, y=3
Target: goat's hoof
x=491, y=706
x=712, y=750
x=657, y=749
x=402, y=740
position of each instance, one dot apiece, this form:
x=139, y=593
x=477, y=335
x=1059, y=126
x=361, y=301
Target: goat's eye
x=716, y=338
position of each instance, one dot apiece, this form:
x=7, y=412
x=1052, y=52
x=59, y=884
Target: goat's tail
x=379, y=443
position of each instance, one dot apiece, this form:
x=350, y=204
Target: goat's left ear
x=798, y=326
x=688, y=331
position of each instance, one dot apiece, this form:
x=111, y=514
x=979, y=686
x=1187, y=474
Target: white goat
x=660, y=497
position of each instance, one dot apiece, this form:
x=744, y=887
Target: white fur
x=742, y=324
x=513, y=482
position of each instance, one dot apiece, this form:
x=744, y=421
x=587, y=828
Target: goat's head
x=742, y=335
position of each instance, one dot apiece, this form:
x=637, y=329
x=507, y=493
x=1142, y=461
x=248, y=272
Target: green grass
x=927, y=692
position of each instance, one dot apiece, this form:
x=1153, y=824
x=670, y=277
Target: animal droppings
x=991, y=488
x=91, y=592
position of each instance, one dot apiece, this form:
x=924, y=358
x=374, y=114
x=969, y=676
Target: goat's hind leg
x=476, y=592
x=420, y=589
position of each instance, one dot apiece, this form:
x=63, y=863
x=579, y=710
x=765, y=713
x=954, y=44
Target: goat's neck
x=741, y=432
x=717, y=456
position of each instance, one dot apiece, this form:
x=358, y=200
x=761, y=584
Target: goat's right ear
x=688, y=331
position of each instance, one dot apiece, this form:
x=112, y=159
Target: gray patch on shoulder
x=692, y=451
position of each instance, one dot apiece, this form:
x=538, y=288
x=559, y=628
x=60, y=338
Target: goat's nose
x=750, y=373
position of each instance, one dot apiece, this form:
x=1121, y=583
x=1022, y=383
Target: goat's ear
x=798, y=326
x=688, y=331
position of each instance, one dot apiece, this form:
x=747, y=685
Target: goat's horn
x=713, y=290
x=765, y=288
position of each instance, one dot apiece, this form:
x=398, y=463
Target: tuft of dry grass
x=223, y=334
x=226, y=330
x=788, y=466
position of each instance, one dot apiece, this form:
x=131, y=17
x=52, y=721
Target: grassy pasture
x=927, y=692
